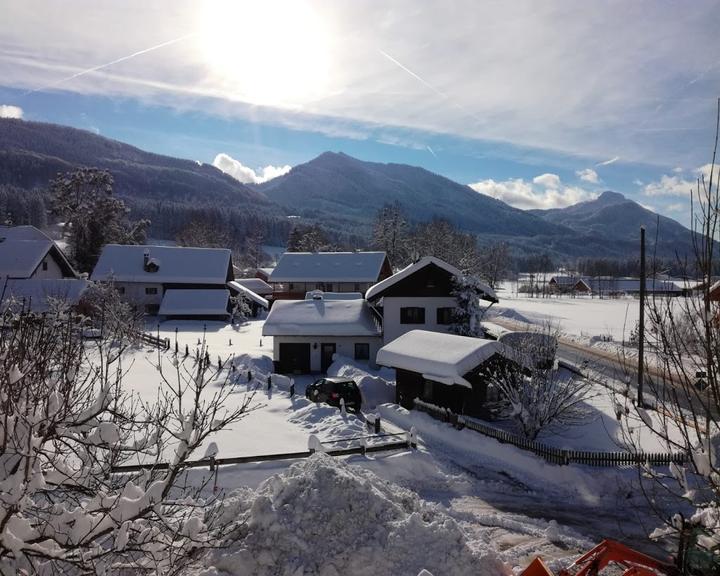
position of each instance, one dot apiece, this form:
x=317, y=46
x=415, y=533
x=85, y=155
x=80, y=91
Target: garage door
x=294, y=358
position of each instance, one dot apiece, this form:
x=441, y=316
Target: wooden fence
x=401, y=441
x=549, y=453
x=162, y=343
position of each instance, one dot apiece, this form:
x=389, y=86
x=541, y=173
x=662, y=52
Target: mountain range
x=339, y=192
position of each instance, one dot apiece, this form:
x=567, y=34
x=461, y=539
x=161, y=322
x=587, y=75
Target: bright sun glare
x=267, y=52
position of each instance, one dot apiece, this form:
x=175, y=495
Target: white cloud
x=679, y=185
x=7, y=111
x=246, y=175
x=551, y=181
x=588, y=175
x=545, y=191
x=483, y=94
x=677, y=207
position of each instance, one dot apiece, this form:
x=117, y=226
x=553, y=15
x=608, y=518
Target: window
x=44, y=264
x=292, y=286
x=150, y=290
x=445, y=315
x=427, y=394
x=412, y=315
x=362, y=351
x=357, y=287
x=120, y=289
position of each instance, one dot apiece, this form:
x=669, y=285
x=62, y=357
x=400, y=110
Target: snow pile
x=374, y=389
x=323, y=517
x=326, y=421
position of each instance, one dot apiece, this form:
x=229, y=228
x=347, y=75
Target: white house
x=145, y=274
x=26, y=252
x=300, y=272
x=307, y=333
x=418, y=297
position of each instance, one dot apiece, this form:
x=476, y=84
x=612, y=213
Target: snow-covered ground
x=484, y=502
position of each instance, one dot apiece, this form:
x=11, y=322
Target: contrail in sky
x=117, y=61
x=418, y=78
x=431, y=150
x=608, y=162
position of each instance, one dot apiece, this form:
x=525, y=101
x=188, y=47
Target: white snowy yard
x=508, y=505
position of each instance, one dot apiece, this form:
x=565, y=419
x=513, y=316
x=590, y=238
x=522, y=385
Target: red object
x=334, y=395
x=608, y=551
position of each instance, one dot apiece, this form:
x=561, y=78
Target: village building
x=609, y=286
x=145, y=275
x=419, y=297
x=240, y=289
x=34, y=271
x=27, y=252
x=568, y=285
x=308, y=333
x=442, y=369
x=297, y=273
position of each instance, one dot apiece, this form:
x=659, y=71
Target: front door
x=326, y=356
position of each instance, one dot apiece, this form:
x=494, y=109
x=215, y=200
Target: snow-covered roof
x=22, y=248
x=377, y=290
x=629, y=285
x=194, y=302
x=245, y=291
x=321, y=318
x=328, y=267
x=175, y=265
x=37, y=293
x=257, y=285
x=438, y=356
x=320, y=295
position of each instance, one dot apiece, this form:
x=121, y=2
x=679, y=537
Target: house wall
x=53, y=269
x=135, y=293
x=344, y=346
x=459, y=399
x=392, y=328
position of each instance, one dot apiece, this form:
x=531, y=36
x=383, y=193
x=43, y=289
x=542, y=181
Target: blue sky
x=538, y=104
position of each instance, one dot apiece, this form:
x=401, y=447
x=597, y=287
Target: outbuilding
x=442, y=369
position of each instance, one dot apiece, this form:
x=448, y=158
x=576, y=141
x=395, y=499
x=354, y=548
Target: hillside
x=335, y=184
x=32, y=153
x=618, y=219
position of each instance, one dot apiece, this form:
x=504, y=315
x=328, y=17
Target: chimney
x=146, y=258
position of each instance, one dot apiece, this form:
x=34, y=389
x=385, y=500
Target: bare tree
x=67, y=423
x=391, y=233
x=683, y=378
x=494, y=263
x=533, y=392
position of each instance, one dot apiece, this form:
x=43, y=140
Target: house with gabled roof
x=145, y=275
x=297, y=273
x=308, y=333
x=419, y=297
x=27, y=252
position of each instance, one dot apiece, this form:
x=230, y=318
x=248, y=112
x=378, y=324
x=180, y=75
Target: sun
x=266, y=52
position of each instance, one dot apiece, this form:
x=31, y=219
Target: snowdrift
x=374, y=389
x=323, y=517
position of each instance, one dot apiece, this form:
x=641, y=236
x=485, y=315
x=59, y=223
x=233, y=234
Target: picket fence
x=549, y=453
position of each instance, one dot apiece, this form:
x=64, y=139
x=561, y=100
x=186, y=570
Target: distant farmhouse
x=300, y=272
x=419, y=297
x=307, y=333
x=613, y=286
x=34, y=271
x=172, y=281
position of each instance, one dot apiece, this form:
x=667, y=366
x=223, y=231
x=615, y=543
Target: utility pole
x=641, y=326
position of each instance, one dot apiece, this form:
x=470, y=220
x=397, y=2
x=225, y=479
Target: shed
x=442, y=369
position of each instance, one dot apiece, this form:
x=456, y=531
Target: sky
x=539, y=104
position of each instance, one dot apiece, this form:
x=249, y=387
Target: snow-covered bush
x=66, y=424
x=105, y=309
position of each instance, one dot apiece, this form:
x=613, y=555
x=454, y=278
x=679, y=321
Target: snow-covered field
x=465, y=500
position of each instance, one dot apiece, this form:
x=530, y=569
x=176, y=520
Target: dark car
x=331, y=390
